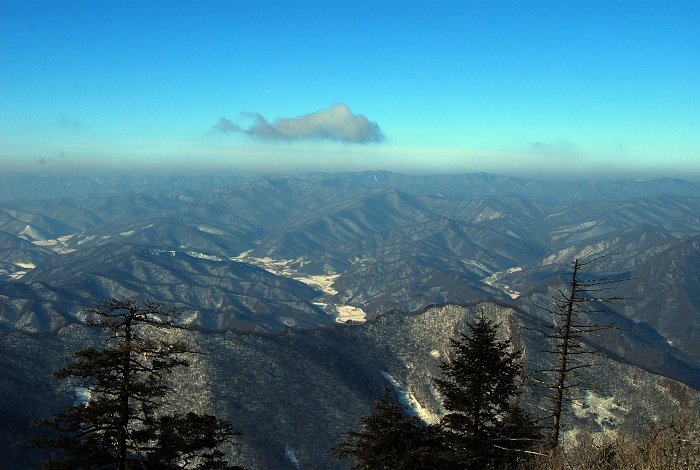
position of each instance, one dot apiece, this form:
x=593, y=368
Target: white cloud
x=336, y=123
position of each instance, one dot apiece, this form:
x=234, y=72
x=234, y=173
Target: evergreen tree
x=520, y=439
x=389, y=439
x=121, y=425
x=482, y=381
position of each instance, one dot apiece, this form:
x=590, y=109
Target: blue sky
x=526, y=88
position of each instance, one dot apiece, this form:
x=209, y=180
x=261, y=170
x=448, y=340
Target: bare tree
x=576, y=320
x=666, y=442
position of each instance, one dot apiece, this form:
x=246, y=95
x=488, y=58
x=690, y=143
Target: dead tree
x=575, y=324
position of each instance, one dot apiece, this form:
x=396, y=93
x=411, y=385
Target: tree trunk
x=562, y=372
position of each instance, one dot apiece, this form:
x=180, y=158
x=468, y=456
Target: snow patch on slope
x=605, y=411
x=82, y=395
x=320, y=282
x=210, y=229
x=406, y=398
x=289, y=452
x=488, y=214
x=24, y=268
x=29, y=233
x=567, y=254
x=57, y=245
x=494, y=280
x=196, y=254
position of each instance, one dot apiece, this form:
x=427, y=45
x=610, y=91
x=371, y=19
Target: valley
x=321, y=282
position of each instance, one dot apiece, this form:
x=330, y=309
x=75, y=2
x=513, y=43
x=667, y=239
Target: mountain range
x=307, y=291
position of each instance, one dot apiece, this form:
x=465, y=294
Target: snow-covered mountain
x=293, y=270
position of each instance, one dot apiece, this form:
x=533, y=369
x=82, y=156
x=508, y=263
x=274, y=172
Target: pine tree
x=520, y=439
x=389, y=439
x=122, y=424
x=482, y=381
